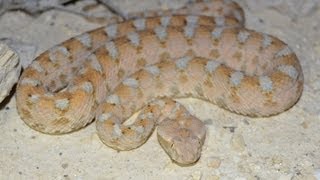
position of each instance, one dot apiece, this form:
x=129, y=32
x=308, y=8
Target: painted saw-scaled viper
x=201, y=51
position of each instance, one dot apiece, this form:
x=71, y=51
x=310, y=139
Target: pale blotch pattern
x=212, y=65
x=31, y=82
x=34, y=98
x=134, y=38
x=139, y=129
x=236, y=78
x=192, y=20
x=182, y=63
x=95, y=63
x=149, y=115
x=189, y=30
x=165, y=21
x=62, y=104
x=58, y=49
x=116, y=130
x=265, y=83
x=154, y=70
x=85, y=39
x=289, y=70
x=161, y=32
x=131, y=82
x=220, y=21
x=216, y=33
x=283, y=52
x=87, y=87
x=243, y=36
x=103, y=117
x=112, y=49
x=37, y=66
x=267, y=40
x=140, y=24
x=113, y=99
x=111, y=30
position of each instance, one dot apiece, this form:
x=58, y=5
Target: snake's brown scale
x=121, y=68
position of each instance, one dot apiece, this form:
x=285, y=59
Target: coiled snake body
x=112, y=72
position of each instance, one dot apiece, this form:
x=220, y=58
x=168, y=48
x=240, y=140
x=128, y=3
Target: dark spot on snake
x=123, y=132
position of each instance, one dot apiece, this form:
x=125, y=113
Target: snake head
x=182, y=139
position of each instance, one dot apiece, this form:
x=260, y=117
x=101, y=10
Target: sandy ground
x=283, y=147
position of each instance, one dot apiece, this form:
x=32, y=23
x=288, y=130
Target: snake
x=141, y=65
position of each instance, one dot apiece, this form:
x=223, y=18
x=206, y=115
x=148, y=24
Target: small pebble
x=213, y=177
x=196, y=175
x=305, y=125
x=214, y=162
x=64, y=165
x=237, y=143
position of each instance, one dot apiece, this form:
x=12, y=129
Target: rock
x=214, y=162
x=291, y=8
x=238, y=143
x=9, y=70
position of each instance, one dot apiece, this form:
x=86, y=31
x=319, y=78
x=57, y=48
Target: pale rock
x=9, y=70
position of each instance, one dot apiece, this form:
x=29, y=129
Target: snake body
x=112, y=72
